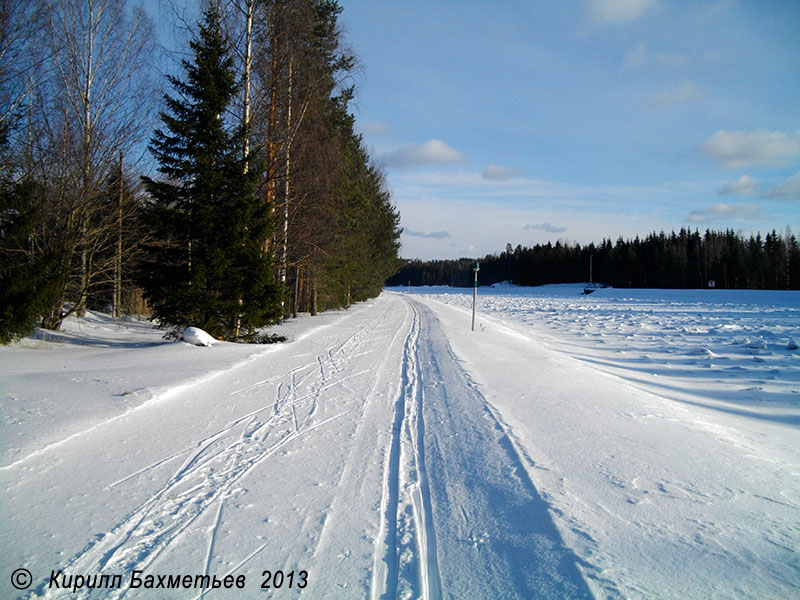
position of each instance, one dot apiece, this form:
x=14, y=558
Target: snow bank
x=198, y=337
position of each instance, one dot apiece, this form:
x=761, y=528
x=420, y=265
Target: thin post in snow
x=476, y=268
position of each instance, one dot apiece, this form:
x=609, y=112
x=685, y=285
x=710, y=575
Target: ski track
x=405, y=562
x=213, y=471
x=494, y=533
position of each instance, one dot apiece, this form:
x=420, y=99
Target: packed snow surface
x=627, y=444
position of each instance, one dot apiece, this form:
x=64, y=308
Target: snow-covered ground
x=631, y=443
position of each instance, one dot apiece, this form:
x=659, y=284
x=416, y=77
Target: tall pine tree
x=208, y=267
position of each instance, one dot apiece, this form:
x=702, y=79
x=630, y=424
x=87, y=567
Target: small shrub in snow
x=264, y=338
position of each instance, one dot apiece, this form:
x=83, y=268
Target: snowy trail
x=658, y=494
x=405, y=559
x=493, y=531
x=363, y=455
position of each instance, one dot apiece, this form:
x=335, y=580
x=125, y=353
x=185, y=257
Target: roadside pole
x=476, y=268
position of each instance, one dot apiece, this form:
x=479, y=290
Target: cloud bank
x=494, y=173
x=432, y=152
x=788, y=190
x=545, y=227
x=436, y=235
x=761, y=148
x=744, y=186
x=737, y=211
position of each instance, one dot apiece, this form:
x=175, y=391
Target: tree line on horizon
x=683, y=260
x=255, y=199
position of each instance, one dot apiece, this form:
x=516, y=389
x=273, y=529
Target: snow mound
x=198, y=337
x=702, y=352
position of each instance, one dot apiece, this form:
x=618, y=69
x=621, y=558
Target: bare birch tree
x=101, y=100
x=75, y=81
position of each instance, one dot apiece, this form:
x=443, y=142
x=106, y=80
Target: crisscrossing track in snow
x=214, y=467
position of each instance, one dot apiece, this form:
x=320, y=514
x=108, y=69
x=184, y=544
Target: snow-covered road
x=386, y=452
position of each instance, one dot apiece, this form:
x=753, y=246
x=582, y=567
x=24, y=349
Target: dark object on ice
x=590, y=287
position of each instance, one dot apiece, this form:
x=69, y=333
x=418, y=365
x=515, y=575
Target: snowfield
x=627, y=444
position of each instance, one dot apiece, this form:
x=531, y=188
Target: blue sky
x=523, y=122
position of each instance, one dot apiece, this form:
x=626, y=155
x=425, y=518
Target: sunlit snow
x=627, y=444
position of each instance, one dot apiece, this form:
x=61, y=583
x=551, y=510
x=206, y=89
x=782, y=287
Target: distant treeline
x=677, y=260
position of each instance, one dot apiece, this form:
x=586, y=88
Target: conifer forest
x=228, y=194
x=683, y=260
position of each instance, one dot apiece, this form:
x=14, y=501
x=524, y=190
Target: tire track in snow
x=405, y=561
x=220, y=461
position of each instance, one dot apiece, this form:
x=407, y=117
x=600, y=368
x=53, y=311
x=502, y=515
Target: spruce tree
x=30, y=276
x=208, y=266
x=31, y=269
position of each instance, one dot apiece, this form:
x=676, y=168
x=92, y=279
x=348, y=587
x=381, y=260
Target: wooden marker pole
x=476, y=268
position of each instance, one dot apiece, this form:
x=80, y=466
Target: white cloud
x=500, y=173
x=435, y=235
x=432, y=152
x=788, y=190
x=545, y=227
x=716, y=211
x=477, y=226
x=761, y=148
x=606, y=12
x=744, y=186
x=680, y=93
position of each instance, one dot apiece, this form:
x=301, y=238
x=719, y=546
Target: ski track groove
x=212, y=539
x=405, y=485
x=143, y=534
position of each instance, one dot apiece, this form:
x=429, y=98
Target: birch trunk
x=87, y=146
x=248, y=63
x=117, y=296
x=286, y=190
